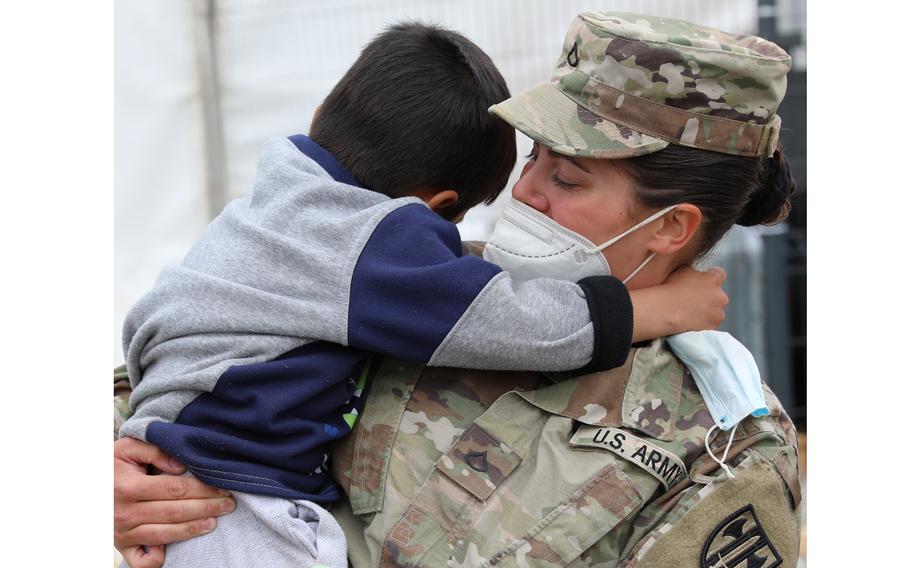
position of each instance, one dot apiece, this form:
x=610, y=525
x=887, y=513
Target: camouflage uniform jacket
x=449, y=467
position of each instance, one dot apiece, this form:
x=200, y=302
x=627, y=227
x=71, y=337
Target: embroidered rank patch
x=739, y=541
x=660, y=463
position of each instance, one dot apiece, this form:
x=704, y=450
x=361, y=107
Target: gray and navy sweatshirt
x=247, y=359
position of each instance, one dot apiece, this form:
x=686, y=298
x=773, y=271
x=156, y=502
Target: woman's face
x=591, y=197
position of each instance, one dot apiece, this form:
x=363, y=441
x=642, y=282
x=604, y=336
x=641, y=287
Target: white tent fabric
x=159, y=157
x=274, y=61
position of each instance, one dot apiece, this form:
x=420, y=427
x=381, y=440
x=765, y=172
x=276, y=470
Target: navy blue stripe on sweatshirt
x=324, y=158
x=411, y=285
x=265, y=427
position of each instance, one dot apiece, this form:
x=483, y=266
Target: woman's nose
x=529, y=191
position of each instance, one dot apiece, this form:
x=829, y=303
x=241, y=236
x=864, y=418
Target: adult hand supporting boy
x=154, y=510
x=688, y=300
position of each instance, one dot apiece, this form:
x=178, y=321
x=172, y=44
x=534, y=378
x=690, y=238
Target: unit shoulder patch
x=739, y=541
x=657, y=461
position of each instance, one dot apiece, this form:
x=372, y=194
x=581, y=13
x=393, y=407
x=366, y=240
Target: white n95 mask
x=727, y=377
x=528, y=244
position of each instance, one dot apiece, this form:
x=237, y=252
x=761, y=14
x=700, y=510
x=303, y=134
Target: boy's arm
x=416, y=296
x=689, y=300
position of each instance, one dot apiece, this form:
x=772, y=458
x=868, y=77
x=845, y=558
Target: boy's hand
x=701, y=300
x=689, y=300
x=154, y=510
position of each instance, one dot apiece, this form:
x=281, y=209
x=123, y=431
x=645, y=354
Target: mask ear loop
x=640, y=266
x=626, y=232
x=723, y=458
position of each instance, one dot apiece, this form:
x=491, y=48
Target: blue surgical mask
x=725, y=372
x=727, y=377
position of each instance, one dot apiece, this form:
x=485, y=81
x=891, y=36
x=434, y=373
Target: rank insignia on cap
x=739, y=541
x=572, y=57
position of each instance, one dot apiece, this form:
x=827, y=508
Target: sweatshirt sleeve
x=415, y=295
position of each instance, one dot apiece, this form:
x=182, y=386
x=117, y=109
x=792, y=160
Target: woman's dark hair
x=411, y=112
x=728, y=189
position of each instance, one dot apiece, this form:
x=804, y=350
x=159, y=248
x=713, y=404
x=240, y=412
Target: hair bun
x=770, y=204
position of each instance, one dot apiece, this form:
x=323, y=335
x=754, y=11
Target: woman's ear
x=676, y=229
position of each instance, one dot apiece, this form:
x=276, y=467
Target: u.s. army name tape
x=660, y=463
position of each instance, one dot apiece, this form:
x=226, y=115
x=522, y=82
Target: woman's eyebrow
x=567, y=158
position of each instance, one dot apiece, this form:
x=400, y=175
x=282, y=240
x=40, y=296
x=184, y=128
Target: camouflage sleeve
x=122, y=392
x=750, y=520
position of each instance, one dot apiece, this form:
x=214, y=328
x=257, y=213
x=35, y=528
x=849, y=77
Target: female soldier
x=653, y=137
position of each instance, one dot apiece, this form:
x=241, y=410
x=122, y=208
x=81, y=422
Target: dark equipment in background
x=785, y=253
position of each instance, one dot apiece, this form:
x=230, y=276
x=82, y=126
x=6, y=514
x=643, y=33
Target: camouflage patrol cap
x=628, y=84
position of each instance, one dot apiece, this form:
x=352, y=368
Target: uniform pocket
x=478, y=462
x=576, y=524
x=510, y=491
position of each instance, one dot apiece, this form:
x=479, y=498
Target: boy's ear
x=438, y=199
x=676, y=229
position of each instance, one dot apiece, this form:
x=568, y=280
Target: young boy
x=250, y=357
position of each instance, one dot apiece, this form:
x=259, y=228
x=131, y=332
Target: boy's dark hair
x=412, y=113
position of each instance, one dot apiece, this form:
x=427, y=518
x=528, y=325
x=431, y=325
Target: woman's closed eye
x=561, y=183
x=554, y=175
